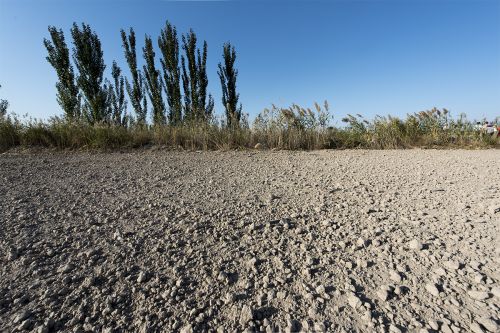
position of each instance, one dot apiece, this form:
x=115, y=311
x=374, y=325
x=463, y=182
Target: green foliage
x=116, y=95
x=390, y=132
x=9, y=132
x=169, y=46
x=153, y=83
x=135, y=90
x=88, y=57
x=228, y=75
x=356, y=134
x=4, y=105
x=195, y=80
x=68, y=95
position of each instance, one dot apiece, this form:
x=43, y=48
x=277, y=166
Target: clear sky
x=368, y=57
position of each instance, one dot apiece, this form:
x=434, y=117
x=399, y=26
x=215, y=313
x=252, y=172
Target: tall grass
x=10, y=130
x=275, y=128
x=432, y=128
x=293, y=128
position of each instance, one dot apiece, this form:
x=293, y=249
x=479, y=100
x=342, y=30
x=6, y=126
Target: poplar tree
x=195, y=80
x=228, y=74
x=169, y=47
x=135, y=90
x=68, y=95
x=153, y=83
x=88, y=58
x=4, y=105
x=116, y=95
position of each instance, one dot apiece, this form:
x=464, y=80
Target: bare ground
x=368, y=241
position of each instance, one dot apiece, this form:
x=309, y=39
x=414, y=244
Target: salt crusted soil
x=340, y=241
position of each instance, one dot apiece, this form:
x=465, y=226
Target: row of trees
x=181, y=81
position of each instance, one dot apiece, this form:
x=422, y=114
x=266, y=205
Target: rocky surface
x=159, y=241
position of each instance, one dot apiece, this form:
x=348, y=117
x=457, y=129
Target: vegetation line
x=277, y=128
x=172, y=107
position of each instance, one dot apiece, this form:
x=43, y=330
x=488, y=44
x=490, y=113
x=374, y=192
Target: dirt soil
x=255, y=241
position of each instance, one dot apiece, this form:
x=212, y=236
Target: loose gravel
x=255, y=241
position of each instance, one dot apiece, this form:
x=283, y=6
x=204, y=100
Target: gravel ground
x=340, y=241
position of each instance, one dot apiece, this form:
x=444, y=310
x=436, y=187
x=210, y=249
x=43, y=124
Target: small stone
x=117, y=235
x=361, y=242
x=252, y=262
x=49, y=322
x=362, y=263
x=394, y=276
x=230, y=298
x=434, y=325
x=474, y=327
x=383, y=295
x=320, y=289
x=452, y=265
x=489, y=324
x=21, y=316
x=478, y=295
x=25, y=324
x=66, y=268
x=258, y=146
x=142, y=277
x=445, y=328
x=246, y=315
x=479, y=278
x=187, y=329
x=180, y=282
x=475, y=265
x=354, y=301
x=496, y=291
x=416, y=245
x=432, y=289
x=13, y=254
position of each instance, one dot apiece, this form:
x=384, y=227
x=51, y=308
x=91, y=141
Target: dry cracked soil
x=253, y=241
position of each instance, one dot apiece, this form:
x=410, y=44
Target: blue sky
x=368, y=57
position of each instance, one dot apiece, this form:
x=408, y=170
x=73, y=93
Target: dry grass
x=276, y=128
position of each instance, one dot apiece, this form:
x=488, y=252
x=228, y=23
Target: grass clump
x=292, y=128
x=9, y=132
